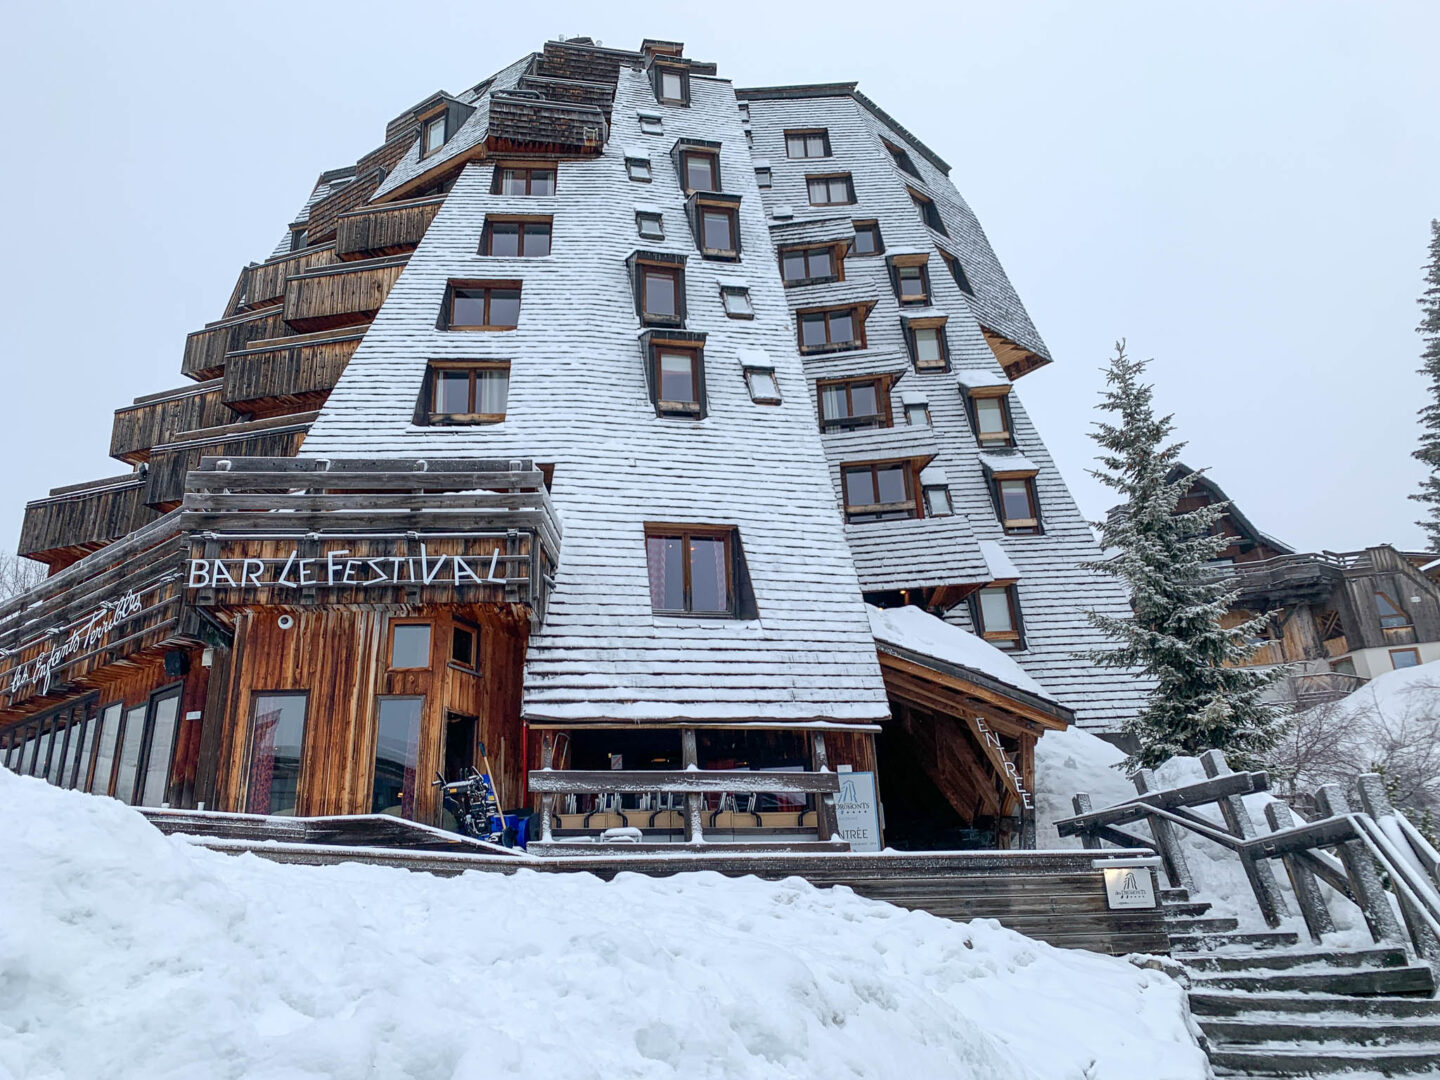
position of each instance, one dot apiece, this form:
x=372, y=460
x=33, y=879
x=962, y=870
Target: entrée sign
x=335, y=570
x=91, y=630
x=1012, y=774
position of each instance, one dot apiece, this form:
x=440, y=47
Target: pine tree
x=1178, y=597
x=1429, y=452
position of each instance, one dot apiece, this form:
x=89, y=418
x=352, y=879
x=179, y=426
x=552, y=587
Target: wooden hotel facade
x=621, y=423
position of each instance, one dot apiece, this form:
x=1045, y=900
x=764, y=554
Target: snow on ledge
x=912, y=628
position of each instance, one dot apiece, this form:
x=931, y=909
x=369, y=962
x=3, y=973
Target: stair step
x=1296, y=1061
x=1276, y=939
x=1201, y=926
x=1221, y=1003
x=1226, y=1033
x=1279, y=961
x=1415, y=979
x=1177, y=895
x=1185, y=910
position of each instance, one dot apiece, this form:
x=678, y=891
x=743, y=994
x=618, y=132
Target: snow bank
x=129, y=954
x=1406, y=693
x=916, y=629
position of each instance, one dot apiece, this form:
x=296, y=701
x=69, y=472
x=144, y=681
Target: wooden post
x=827, y=822
x=547, y=800
x=1376, y=801
x=1081, y=802
x=1167, y=842
x=690, y=759
x=1360, y=868
x=1307, y=889
x=1237, y=819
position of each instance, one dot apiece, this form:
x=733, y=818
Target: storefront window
x=166, y=712
x=73, y=748
x=277, y=732
x=397, y=755
x=130, y=743
x=105, y=751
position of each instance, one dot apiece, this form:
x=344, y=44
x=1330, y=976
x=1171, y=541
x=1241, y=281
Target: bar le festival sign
x=337, y=569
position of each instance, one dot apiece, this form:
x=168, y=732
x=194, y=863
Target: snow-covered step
x=1265, y=939
x=1212, y=925
x=1278, y=961
x=1179, y=896
x=1223, y=1003
x=1309, y=1061
x=1414, y=979
x=1184, y=910
x=1254, y=1030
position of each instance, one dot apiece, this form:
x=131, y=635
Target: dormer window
x=847, y=404
x=523, y=181
x=929, y=212
x=651, y=124
x=836, y=190
x=465, y=392
x=764, y=390
x=995, y=611
x=700, y=170
x=810, y=266
x=832, y=329
x=658, y=279
x=671, y=83
x=910, y=277
x=481, y=305
x=434, y=136
x=867, y=239
x=696, y=570
x=807, y=144
x=736, y=301
x=926, y=338
x=987, y=401
x=902, y=159
x=638, y=169
x=715, y=222
x=957, y=271
x=917, y=410
x=1012, y=483
x=879, y=491
x=675, y=372
x=650, y=224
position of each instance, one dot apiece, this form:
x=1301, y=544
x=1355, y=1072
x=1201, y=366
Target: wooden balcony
x=521, y=123
x=1288, y=579
x=384, y=229
x=73, y=521
x=287, y=375
x=572, y=91
x=205, y=349
x=346, y=294
x=265, y=282
x=154, y=419
x=276, y=437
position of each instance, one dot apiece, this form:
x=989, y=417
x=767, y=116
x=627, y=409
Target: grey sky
x=1242, y=190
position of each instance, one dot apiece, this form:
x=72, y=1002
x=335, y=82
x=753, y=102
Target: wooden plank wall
x=294, y=374
x=265, y=282
x=386, y=229
x=62, y=529
x=205, y=349
x=154, y=419
x=165, y=482
x=342, y=295
x=321, y=222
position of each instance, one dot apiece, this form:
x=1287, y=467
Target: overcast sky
x=1243, y=190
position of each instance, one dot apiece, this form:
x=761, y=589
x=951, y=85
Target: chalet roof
x=1242, y=522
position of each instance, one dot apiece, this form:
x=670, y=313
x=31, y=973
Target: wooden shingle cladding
x=370, y=171
x=169, y=463
x=285, y=375
x=344, y=294
x=155, y=418
x=384, y=228
x=75, y=520
x=523, y=124
x=205, y=349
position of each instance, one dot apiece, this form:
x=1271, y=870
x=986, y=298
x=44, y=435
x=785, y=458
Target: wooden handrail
x=680, y=781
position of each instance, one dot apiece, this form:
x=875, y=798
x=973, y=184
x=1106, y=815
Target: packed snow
x=915, y=629
x=126, y=953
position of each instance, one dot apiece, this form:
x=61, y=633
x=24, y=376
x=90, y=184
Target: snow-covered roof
x=1011, y=462
x=999, y=564
x=915, y=629
x=980, y=378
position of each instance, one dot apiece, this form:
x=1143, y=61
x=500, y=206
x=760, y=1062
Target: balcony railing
x=346, y=294
x=73, y=521
x=520, y=122
x=288, y=375
x=155, y=418
x=205, y=349
x=385, y=228
x=265, y=282
x=276, y=437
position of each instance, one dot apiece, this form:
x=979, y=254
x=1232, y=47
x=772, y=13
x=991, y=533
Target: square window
x=829, y=331
x=409, y=645
x=462, y=646
x=638, y=169
x=929, y=352
x=957, y=271
x=995, y=610
x=1018, y=508
x=649, y=225
x=867, y=239
x=691, y=571
x=763, y=179
x=808, y=266
x=902, y=159
x=929, y=212
x=483, y=307
x=504, y=238
x=879, y=492
x=992, y=420
x=677, y=377
x=1404, y=658
x=700, y=170
x=434, y=135
x=856, y=403
x=937, y=501
x=468, y=393
x=651, y=125
x=807, y=144
x=830, y=190
x=737, y=302
x=911, y=285
x=524, y=181
x=525, y=239
x=672, y=86
x=764, y=390
x=917, y=415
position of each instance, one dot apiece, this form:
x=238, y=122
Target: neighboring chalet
x=578, y=422
x=1338, y=618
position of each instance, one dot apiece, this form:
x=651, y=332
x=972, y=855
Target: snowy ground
x=124, y=953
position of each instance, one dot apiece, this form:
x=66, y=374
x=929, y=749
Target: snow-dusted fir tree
x=1178, y=597
x=1429, y=451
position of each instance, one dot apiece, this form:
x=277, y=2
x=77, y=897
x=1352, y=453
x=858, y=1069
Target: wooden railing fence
x=1364, y=855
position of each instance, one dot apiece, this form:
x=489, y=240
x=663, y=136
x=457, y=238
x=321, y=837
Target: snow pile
x=1412, y=693
x=129, y=954
x=915, y=629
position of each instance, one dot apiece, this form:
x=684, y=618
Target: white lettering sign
x=1129, y=887
x=91, y=630
x=857, y=811
x=1012, y=774
x=337, y=570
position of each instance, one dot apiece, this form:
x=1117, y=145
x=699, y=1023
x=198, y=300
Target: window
x=917, y=413
x=957, y=271
x=995, y=610
x=672, y=84
x=1391, y=615
x=902, y=159
x=463, y=641
x=764, y=390
x=525, y=239
x=764, y=179
x=699, y=170
x=691, y=571
x=131, y=743
x=1019, y=512
x=467, y=393
x=883, y=491
x=409, y=645
x=164, y=718
x=106, y=740
x=434, y=136
x=990, y=416
x=831, y=330
x=926, y=338
x=807, y=144
x=854, y=403
x=830, y=190
x=651, y=124
x=1403, y=658
x=810, y=266
x=661, y=295
x=867, y=239
x=397, y=755
x=937, y=500
x=677, y=379
x=736, y=299
x=912, y=285
x=298, y=239
x=649, y=225
x=744, y=107
x=524, y=181
x=638, y=169
x=277, y=735
x=482, y=306
x=718, y=226
x=929, y=212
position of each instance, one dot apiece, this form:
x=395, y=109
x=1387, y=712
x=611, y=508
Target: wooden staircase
x=1267, y=1007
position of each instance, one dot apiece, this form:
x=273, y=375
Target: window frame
x=454, y=286
x=929, y=491
x=685, y=534
x=762, y=398
x=862, y=513
x=743, y=293
x=685, y=154
x=433, y=373
x=929, y=211
x=497, y=184
x=301, y=773
x=901, y=157
x=764, y=177
x=912, y=342
x=869, y=226
x=657, y=83
x=642, y=216
x=667, y=406
x=972, y=409
x=857, y=312
x=634, y=164
x=419, y=730
x=829, y=179
x=390, y=628
x=1031, y=526
x=805, y=134
x=426, y=126
x=957, y=272
x=461, y=626
x=1012, y=640
x=921, y=407
x=885, y=417
x=487, y=235
x=676, y=276
x=698, y=205
x=1411, y=650
x=806, y=252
